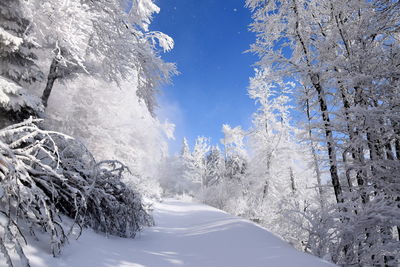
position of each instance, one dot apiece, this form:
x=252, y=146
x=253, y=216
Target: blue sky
x=210, y=39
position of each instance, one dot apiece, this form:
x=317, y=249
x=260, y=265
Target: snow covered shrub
x=366, y=232
x=31, y=184
x=320, y=225
x=360, y=235
x=44, y=174
x=112, y=207
x=225, y=195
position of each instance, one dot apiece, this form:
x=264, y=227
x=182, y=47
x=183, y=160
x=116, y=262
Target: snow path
x=186, y=234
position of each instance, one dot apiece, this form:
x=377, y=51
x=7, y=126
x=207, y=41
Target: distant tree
x=225, y=173
x=215, y=167
x=235, y=153
x=188, y=176
x=200, y=150
x=193, y=165
x=185, y=151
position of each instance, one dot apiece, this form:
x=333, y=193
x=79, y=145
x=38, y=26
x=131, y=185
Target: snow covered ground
x=186, y=234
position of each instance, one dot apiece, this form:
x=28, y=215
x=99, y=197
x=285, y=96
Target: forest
x=82, y=146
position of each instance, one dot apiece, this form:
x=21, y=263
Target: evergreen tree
x=214, y=167
x=200, y=151
x=17, y=64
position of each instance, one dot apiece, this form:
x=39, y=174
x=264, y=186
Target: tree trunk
x=314, y=77
x=267, y=177
x=51, y=78
x=314, y=154
x=267, y=173
x=293, y=184
x=346, y=105
x=330, y=143
x=397, y=146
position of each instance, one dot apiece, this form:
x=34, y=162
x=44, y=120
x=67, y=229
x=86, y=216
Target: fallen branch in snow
x=45, y=173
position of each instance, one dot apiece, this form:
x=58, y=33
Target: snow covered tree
x=193, y=166
x=126, y=47
x=279, y=176
x=287, y=24
x=87, y=110
x=63, y=30
x=225, y=174
x=337, y=51
x=314, y=146
x=271, y=128
x=200, y=151
x=179, y=173
x=44, y=174
x=185, y=151
x=107, y=40
x=17, y=64
x=188, y=168
x=170, y=177
x=215, y=167
x=219, y=191
x=235, y=154
x=97, y=55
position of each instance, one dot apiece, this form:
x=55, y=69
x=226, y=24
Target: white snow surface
x=186, y=234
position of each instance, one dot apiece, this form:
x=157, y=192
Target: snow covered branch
x=44, y=174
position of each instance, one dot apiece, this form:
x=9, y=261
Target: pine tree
x=200, y=150
x=214, y=167
x=17, y=64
